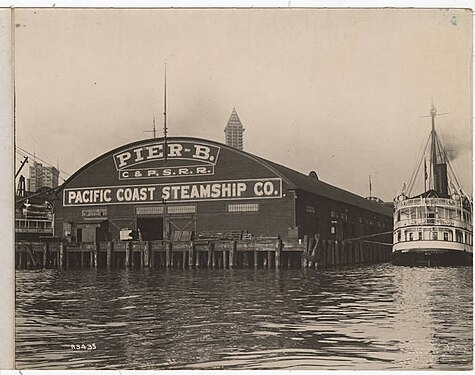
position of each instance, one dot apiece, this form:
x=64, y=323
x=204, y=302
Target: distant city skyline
x=338, y=91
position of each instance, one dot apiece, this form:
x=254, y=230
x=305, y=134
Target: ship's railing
x=429, y=201
x=33, y=226
x=433, y=221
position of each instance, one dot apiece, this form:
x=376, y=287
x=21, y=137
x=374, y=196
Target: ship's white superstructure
x=434, y=227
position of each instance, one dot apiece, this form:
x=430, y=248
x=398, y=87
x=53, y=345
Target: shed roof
x=315, y=186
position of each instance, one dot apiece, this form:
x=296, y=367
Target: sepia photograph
x=242, y=188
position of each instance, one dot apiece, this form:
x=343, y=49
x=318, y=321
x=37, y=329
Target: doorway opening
x=150, y=228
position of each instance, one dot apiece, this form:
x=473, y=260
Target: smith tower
x=234, y=131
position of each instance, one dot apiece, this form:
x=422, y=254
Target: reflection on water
x=371, y=317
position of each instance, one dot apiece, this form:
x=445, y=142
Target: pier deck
x=259, y=253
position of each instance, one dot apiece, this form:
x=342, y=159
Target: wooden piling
x=96, y=252
x=45, y=254
x=278, y=254
x=256, y=258
x=225, y=259
x=197, y=258
x=109, y=253
x=146, y=253
x=232, y=254
x=128, y=250
x=210, y=254
x=168, y=255
x=191, y=252
x=61, y=254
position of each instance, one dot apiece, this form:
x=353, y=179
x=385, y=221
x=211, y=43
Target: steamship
x=434, y=227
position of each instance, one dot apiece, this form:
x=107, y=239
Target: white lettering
x=107, y=195
x=201, y=152
x=185, y=194
x=174, y=150
x=154, y=151
x=241, y=188
x=268, y=188
x=258, y=189
x=123, y=158
x=166, y=192
x=138, y=154
x=71, y=196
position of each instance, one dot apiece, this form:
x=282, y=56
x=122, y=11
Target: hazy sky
x=341, y=92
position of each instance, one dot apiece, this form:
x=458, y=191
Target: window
x=420, y=235
x=344, y=217
x=334, y=214
x=446, y=236
x=435, y=236
x=149, y=210
x=188, y=209
x=243, y=207
x=333, y=230
x=411, y=236
x=459, y=236
x=310, y=209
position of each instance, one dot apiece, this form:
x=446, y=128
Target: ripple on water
x=367, y=318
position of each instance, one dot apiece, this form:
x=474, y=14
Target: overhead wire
x=19, y=150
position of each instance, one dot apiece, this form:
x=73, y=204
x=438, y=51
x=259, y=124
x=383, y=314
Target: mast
x=165, y=129
x=433, y=154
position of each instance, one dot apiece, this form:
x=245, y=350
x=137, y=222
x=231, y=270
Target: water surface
x=361, y=318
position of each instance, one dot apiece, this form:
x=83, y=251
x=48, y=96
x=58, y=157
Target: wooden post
x=210, y=254
x=152, y=255
x=245, y=260
x=225, y=259
x=190, y=255
x=45, y=254
x=61, y=254
x=334, y=249
x=232, y=253
x=183, y=258
x=96, y=251
x=28, y=256
x=269, y=259
x=146, y=254
x=213, y=255
x=128, y=248
x=264, y=261
x=110, y=246
x=338, y=250
x=197, y=258
x=278, y=254
x=256, y=258
x=169, y=255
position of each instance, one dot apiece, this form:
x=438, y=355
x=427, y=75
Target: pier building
x=186, y=188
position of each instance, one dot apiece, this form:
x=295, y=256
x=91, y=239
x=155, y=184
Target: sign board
x=174, y=192
x=182, y=159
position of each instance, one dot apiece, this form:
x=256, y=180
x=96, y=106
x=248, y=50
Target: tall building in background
x=234, y=131
x=41, y=176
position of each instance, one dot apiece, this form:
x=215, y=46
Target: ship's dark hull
x=432, y=257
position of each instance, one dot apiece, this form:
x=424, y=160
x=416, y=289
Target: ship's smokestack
x=441, y=182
